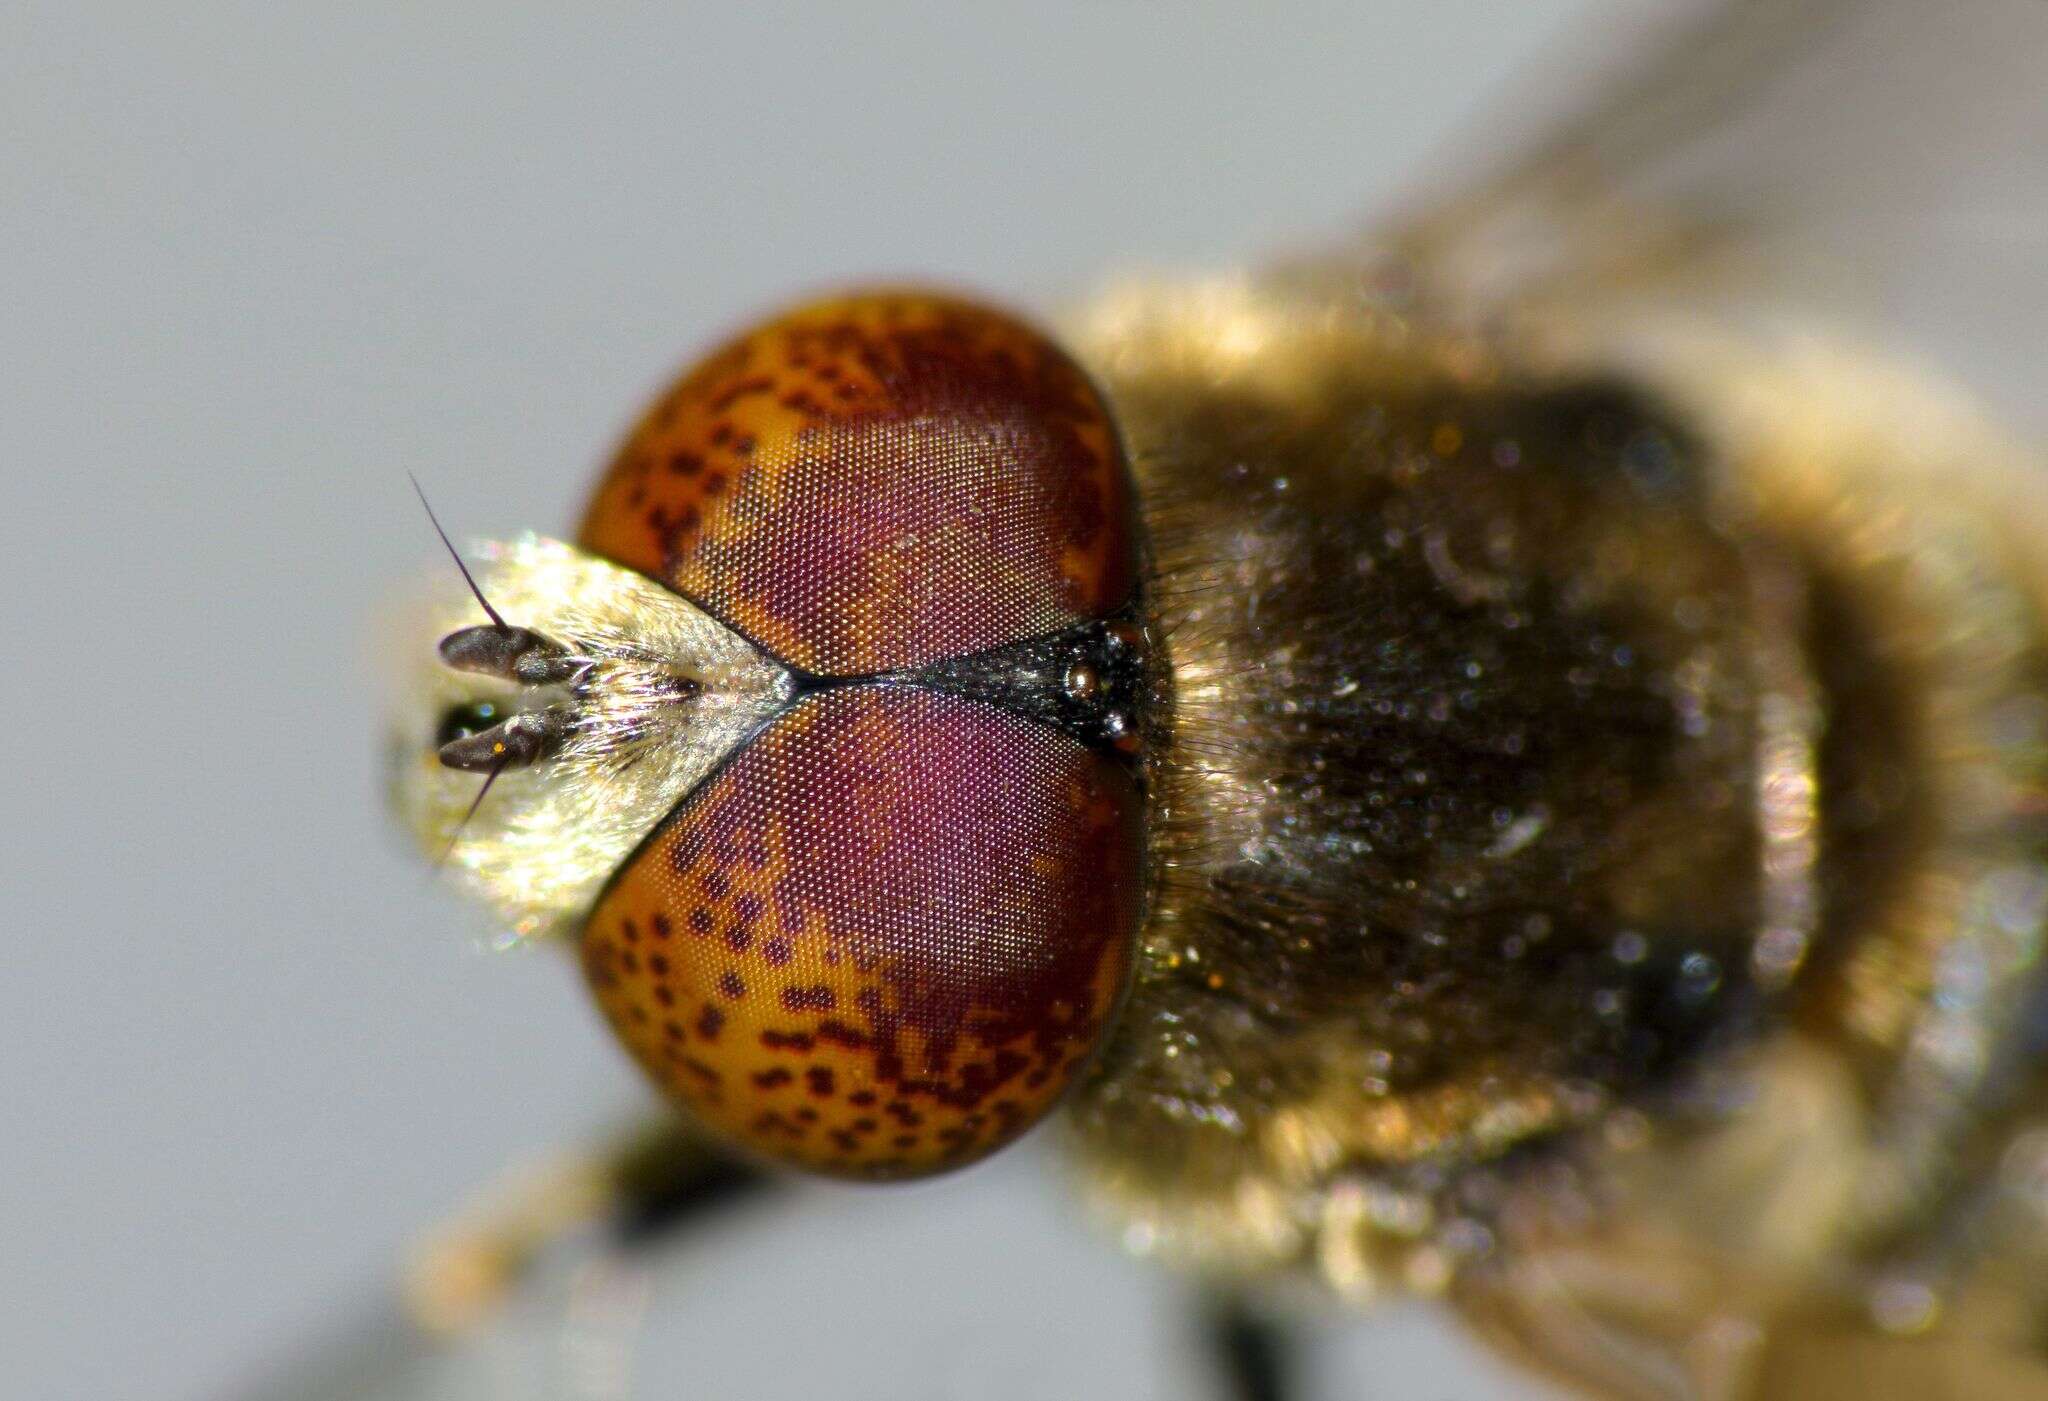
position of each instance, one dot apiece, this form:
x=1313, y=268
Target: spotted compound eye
x=886, y=934
x=876, y=483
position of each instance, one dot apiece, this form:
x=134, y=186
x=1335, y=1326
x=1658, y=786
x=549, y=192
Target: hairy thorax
x=1498, y=727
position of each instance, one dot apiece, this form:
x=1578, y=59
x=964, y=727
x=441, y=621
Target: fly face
x=842, y=797
x=633, y=696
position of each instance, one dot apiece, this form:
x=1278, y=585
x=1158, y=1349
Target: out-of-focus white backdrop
x=258, y=261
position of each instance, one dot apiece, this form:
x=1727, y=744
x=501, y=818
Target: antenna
x=454, y=554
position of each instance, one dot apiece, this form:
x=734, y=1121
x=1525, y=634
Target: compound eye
x=878, y=482
x=884, y=938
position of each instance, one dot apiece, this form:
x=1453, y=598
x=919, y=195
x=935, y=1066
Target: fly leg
x=636, y=1189
x=1255, y=1357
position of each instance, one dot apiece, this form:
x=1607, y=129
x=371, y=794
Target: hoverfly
x=1495, y=763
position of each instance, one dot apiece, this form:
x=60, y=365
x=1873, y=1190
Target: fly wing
x=1877, y=159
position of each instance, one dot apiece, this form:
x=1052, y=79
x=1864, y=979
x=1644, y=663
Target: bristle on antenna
x=474, y=804
x=454, y=554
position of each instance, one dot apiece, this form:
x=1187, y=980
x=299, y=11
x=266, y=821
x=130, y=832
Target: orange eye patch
x=885, y=937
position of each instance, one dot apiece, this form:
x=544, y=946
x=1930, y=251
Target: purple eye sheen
x=878, y=482
x=886, y=935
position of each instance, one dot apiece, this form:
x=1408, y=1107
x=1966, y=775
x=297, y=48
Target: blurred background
x=261, y=260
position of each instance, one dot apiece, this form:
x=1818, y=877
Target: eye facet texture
x=884, y=937
x=878, y=482
x=888, y=933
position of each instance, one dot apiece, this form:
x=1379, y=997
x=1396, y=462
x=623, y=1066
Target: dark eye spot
x=462, y=721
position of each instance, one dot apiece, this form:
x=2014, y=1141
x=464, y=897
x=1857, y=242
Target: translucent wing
x=1887, y=158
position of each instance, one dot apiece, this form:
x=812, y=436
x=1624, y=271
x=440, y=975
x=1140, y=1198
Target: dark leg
x=1254, y=1357
x=671, y=1179
x=639, y=1189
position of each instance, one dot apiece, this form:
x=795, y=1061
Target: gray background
x=259, y=260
